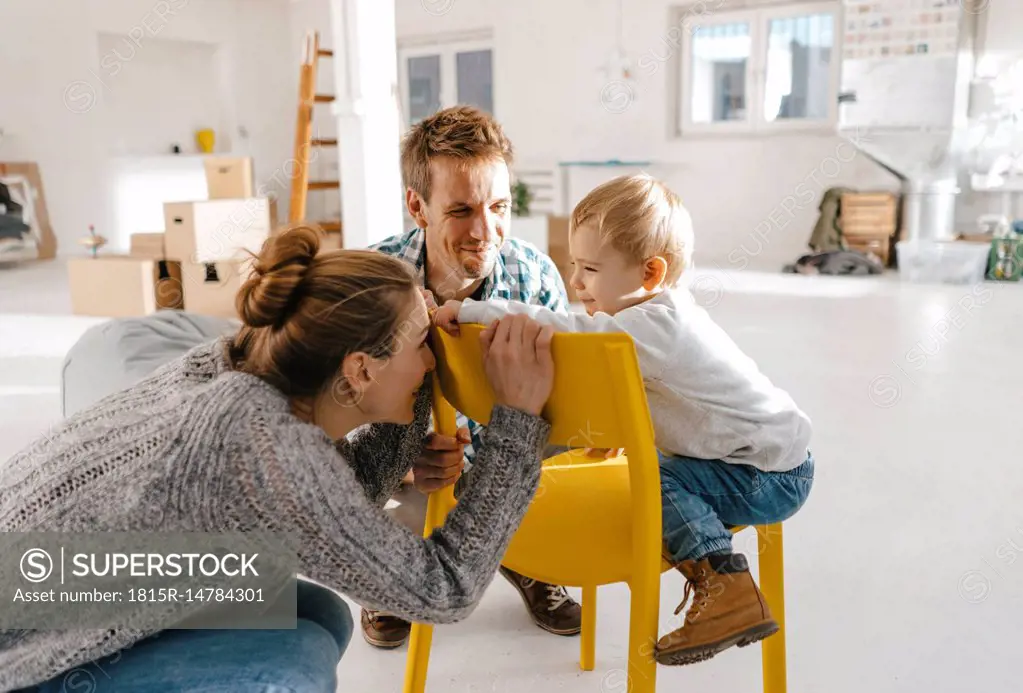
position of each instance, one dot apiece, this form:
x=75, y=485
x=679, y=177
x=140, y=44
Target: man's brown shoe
x=381, y=629
x=549, y=606
x=728, y=609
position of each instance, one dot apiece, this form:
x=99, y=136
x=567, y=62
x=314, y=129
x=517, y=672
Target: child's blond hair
x=642, y=218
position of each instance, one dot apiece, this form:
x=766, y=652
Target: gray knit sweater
x=195, y=447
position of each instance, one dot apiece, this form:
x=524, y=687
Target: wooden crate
x=869, y=221
x=880, y=246
x=869, y=214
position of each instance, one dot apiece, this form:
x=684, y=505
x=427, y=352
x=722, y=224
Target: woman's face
x=387, y=388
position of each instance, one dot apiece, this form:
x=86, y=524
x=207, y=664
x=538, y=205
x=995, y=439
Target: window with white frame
x=438, y=75
x=765, y=69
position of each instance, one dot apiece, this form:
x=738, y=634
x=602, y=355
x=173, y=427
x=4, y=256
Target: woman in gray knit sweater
x=304, y=422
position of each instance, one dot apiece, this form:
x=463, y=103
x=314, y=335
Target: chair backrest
x=598, y=398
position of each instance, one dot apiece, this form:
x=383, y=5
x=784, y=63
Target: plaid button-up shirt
x=521, y=273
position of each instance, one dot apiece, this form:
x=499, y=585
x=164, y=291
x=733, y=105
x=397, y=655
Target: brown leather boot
x=728, y=609
x=383, y=630
x=549, y=606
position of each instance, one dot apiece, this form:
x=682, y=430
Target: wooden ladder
x=305, y=142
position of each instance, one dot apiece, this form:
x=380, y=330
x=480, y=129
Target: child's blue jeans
x=702, y=499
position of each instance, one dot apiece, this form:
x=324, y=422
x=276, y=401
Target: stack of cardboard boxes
x=197, y=264
x=212, y=240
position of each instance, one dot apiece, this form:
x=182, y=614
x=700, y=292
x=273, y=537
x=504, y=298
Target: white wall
x=162, y=93
x=999, y=36
x=58, y=86
x=427, y=17
x=754, y=198
x=999, y=53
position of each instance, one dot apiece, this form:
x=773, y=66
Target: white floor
x=904, y=570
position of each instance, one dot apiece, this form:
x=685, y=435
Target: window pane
x=475, y=79
x=799, y=67
x=720, y=55
x=423, y=86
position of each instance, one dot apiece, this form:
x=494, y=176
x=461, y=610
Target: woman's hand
x=446, y=317
x=517, y=359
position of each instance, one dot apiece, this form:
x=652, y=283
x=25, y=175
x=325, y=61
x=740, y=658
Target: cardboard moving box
x=119, y=286
x=211, y=288
x=557, y=250
x=211, y=231
x=228, y=178
x=148, y=245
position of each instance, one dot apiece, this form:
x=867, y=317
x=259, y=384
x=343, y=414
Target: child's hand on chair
x=446, y=317
x=428, y=299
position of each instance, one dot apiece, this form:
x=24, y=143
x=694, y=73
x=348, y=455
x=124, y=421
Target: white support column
x=368, y=129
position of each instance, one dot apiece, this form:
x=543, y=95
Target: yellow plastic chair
x=591, y=522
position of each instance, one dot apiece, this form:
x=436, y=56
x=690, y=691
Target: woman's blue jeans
x=299, y=660
x=702, y=499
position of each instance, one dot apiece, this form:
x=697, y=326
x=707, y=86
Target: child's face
x=605, y=280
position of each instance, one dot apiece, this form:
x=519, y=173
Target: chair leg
x=772, y=584
x=588, y=641
x=437, y=507
x=643, y=637
x=418, y=660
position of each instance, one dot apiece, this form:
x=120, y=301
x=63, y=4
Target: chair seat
x=578, y=529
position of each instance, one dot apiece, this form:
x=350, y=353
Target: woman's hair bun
x=274, y=288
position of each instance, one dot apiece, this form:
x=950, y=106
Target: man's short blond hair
x=641, y=218
x=460, y=132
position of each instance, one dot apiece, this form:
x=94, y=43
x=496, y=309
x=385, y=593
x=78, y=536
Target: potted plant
x=522, y=196
x=527, y=227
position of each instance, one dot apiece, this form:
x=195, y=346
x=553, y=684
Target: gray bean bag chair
x=117, y=354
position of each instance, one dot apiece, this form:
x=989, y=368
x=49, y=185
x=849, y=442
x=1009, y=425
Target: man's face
x=466, y=218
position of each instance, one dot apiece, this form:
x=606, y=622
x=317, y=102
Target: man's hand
x=446, y=317
x=441, y=461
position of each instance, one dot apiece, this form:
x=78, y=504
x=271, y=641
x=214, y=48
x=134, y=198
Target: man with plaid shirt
x=458, y=191
x=521, y=273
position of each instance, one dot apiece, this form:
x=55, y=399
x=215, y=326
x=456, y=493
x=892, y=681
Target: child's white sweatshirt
x=707, y=399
